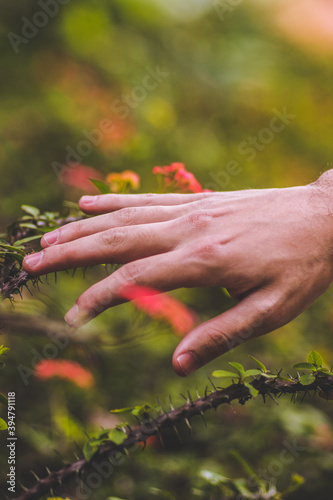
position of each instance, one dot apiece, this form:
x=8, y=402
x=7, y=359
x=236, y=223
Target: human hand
x=271, y=249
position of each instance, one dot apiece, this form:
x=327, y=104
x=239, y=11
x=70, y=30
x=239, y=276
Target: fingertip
x=186, y=363
x=87, y=203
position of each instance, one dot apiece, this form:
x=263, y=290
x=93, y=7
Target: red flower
x=63, y=368
x=78, y=176
x=176, y=177
x=161, y=306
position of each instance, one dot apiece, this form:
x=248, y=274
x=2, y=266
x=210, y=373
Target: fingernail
x=51, y=238
x=87, y=200
x=34, y=259
x=76, y=317
x=188, y=363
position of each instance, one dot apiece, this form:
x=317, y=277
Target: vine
x=109, y=444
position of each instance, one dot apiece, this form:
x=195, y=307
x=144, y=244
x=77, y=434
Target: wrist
x=321, y=200
x=325, y=182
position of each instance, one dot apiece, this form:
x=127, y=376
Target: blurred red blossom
x=161, y=306
x=78, y=176
x=66, y=369
x=176, y=177
x=123, y=181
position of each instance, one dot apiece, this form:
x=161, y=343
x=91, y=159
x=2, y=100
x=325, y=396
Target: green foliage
x=116, y=436
x=102, y=186
x=3, y=425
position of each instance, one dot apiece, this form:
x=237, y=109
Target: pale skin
x=270, y=248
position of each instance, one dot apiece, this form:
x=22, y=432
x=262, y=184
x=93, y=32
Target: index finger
x=104, y=203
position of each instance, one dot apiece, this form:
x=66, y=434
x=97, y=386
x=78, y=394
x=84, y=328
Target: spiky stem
x=153, y=426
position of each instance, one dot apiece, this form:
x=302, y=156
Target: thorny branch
x=323, y=384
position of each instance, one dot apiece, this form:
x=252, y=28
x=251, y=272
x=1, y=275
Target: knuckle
x=75, y=228
x=199, y=219
x=127, y=216
x=112, y=236
x=204, y=249
x=130, y=273
x=217, y=340
x=148, y=198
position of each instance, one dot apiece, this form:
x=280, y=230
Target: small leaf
x=102, y=186
x=117, y=436
x=123, y=410
x=307, y=379
x=224, y=374
x=3, y=350
x=89, y=450
x=238, y=367
x=252, y=373
x=259, y=363
x=305, y=366
x=3, y=425
x=316, y=359
x=34, y=211
x=26, y=240
x=254, y=392
x=29, y=225
x=3, y=399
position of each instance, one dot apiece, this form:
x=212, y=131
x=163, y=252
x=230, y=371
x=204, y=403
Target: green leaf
x=3, y=399
x=316, y=359
x=89, y=450
x=3, y=350
x=254, y=392
x=224, y=374
x=259, y=363
x=304, y=366
x=102, y=186
x=123, y=410
x=34, y=211
x=3, y=425
x=26, y=240
x=307, y=379
x=252, y=373
x=117, y=436
x=29, y=225
x=238, y=367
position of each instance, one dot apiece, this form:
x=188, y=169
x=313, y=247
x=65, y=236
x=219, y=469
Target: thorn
x=35, y=475
x=171, y=405
x=190, y=397
x=55, y=278
x=206, y=392
x=304, y=395
x=161, y=439
x=186, y=399
x=177, y=433
x=23, y=487
x=203, y=418
x=28, y=290
x=273, y=398
x=188, y=424
x=48, y=471
x=197, y=392
x=127, y=451
x=73, y=273
x=210, y=380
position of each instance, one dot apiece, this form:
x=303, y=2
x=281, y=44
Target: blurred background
x=241, y=93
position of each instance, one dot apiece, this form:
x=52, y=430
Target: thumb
x=253, y=316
